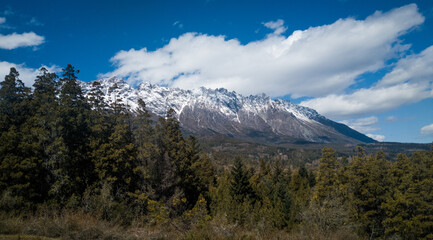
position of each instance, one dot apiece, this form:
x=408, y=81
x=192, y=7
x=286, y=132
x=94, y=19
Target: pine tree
x=13, y=94
x=145, y=142
x=115, y=157
x=38, y=132
x=162, y=168
x=282, y=202
x=409, y=205
x=327, y=177
x=170, y=164
x=70, y=163
x=240, y=187
x=367, y=188
x=16, y=169
x=300, y=190
x=196, y=172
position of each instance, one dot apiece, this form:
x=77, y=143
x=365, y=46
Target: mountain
x=258, y=118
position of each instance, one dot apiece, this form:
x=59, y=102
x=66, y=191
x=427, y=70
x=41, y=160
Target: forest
x=75, y=168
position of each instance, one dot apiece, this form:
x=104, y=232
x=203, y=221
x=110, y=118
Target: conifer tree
x=168, y=165
x=327, y=177
x=409, y=205
x=16, y=163
x=145, y=143
x=240, y=187
x=38, y=132
x=300, y=190
x=115, y=156
x=367, y=188
x=13, y=93
x=196, y=172
x=70, y=163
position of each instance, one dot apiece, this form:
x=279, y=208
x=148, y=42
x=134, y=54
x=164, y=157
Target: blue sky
x=368, y=64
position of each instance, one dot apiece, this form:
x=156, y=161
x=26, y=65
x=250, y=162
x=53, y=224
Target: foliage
x=65, y=157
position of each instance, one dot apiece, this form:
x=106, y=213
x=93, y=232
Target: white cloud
x=34, y=22
x=415, y=68
x=2, y=20
x=27, y=75
x=369, y=101
x=314, y=62
x=410, y=81
x=277, y=26
x=16, y=40
x=376, y=137
x=427, y=130
x=391, y=118
x=363, y=125
x=178, y=24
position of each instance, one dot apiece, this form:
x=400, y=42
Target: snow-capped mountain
x=206, y=111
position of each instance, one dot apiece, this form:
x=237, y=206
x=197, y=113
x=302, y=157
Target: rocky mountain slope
x=254, y=118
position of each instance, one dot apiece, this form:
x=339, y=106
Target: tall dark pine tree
x=195, y=172
x=12, y=95
x=70, y=161
x=144, y=141
x=102, y=124
x=167, y=137
x=366, y=191
x=115, y=162
x=240, y=187
x=39, y=131
x=16, y=169
x=327, y=179
x=409, y=204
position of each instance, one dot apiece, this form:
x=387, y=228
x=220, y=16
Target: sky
x=367, y=64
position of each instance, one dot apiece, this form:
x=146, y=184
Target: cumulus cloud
x=16, y=40
x=314, y=62
x=27, y=75
x=379, y=138
x=2, y=20
x=369, y=101
x=363, y=125
x=410, y=81
x=277, y=26
x=427, y=130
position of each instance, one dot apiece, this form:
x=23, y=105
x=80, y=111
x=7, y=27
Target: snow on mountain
x=159, y=99
x=206, y=111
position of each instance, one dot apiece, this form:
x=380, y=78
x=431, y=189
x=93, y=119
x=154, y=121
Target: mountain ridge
x=255, y=118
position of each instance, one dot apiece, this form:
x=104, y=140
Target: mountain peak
x=210, y=111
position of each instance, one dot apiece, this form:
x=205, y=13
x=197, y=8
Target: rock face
x=254, y=118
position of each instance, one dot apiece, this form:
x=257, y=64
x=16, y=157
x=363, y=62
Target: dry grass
x=49, y=224
x=25, y=237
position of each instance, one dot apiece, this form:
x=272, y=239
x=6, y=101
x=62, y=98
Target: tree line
x=58, y=148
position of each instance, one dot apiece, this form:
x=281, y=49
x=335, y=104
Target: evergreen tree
x=409, y=205
x=16, y=169
x=13, y=94
x=115, y=156
x=145, y=143
x=38, y=132
x=166, y=165
x=70, y=163
x=327, y=177
x=367, y=188
x=240, y=187
x=300, y=191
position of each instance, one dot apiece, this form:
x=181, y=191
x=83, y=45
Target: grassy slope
x=25, y=237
